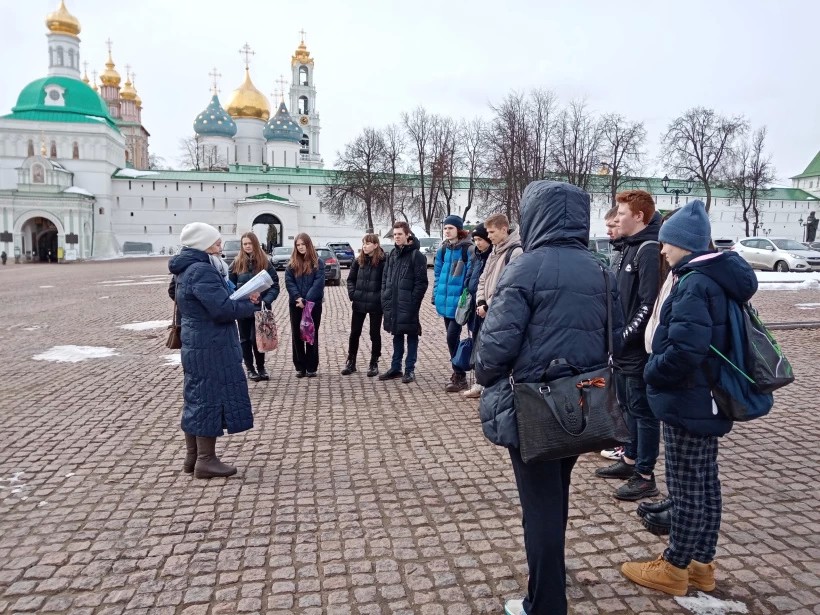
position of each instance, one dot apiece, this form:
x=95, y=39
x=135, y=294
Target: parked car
x=281, y=257
x=815, y=245
x=333, y=271
x=601, y=249
x=429, y=247
x=230, y=249
x=721, y=245
x=344, y=252
x=777, y=254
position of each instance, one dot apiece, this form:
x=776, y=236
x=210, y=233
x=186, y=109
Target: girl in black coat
x=364, y=287
x=305, y=281
x=249, y=262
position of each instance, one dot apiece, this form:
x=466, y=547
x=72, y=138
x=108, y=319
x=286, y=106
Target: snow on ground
x=173, y=359
x=807, y=306
x=46, y=287
x=143, y=283
x=704, y=604
x=74, y=354
x=148, y=324
x=788, y=276
x=805, y=285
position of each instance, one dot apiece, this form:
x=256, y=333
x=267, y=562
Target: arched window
x=303, y=75
x=59, y=56
x=126, y=156
x=303, y=105
x=30, y=147
x=53, y=149
x=38, y=175
x=170, y=230
x=305, y=149
x=75, y=154
x=71, y=58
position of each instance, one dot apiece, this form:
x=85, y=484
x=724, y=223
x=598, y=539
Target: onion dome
x=248, y=102
x=214, y=121
x=62, y=22
x=137, y=99
x=110, y=76
x=301, y=55
x=281, y=127
x=86, y=80
x=128, y=92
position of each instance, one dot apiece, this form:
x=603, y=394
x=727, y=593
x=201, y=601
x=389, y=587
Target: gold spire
x=110, y=76
x=94, y=80
x=86, y=80
x=249, y=102
x=62, y=22
x=137, y=99
x=302, y=55
x=128, y=92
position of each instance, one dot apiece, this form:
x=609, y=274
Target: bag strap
x=509, y=253
x=609, y=345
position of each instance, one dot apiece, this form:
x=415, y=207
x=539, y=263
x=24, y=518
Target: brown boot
x=702, y=576
x=458, y=382
x=190, y=454
x=207, y=463
x=658, y=574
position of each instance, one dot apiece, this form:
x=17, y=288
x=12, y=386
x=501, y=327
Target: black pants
x=247, y=339
x=543, y=488
x=356, y=326
x=305, y=356
x=453, y=338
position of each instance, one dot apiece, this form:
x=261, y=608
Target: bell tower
x=303, y=104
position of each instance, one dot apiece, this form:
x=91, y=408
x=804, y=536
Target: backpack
x=635, y=258
x=508, y=255
x=464, y=253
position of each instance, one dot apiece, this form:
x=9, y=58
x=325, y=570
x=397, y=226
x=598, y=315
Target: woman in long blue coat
x=216, y=391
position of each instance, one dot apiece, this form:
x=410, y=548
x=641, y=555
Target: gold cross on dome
x=128, y=72
x=302, y=33
x=108, y=43
x=85, y=67
x=247, y=52
x=215, y=75
x=282, y=82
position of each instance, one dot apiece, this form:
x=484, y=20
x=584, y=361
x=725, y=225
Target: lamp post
x=690, y=183
x=802, y=227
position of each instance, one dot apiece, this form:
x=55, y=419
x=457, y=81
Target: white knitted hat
x=198, y=235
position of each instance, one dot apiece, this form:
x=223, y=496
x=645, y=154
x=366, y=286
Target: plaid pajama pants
x=693, y=483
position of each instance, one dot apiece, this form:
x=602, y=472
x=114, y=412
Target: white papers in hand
x=257, y=284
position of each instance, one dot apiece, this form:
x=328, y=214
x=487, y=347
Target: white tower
x=63, y=43
x=303, y=104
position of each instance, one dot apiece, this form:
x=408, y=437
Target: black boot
x=373, y=370
x=207, y=463
x=659, y=523
x=190, y=454
x=653, y=507
x=458, y=382
x=253, y=375
x=350, y=367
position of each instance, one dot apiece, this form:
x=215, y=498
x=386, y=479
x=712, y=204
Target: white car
x=777, y=254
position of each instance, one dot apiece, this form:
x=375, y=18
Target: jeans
x=453, y=338
x=247, y=339
x=644, y=428
x=356, y=326
x=543, y=488
x=305, y=356
x=398, y=352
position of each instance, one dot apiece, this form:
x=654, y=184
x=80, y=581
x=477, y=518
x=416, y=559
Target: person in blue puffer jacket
x=305, y=281
x=451, y=274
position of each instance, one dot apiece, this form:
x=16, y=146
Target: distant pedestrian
x=364, y=288
x=305, y=281
x=451, y=273
x=250, y=261
x=215, y=392
x=404, y=283
x=3, y=256
x=483, y=248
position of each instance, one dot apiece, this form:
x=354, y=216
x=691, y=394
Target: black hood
x=186, y=257
x=650, y=233
x=553, y=213
x=728, y=269
x=414, y=244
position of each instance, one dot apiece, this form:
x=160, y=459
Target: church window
x=126, y=156
x=213, y=203
x=219, y=228
x=249, y=154
x=305, y=149
x=303, y=105
x=201, y=187
x=71, y=58
x=288, y=189
x=59, y=56
x=30, y=147
x=101, y=210
x=177, y=186
x=75, y=153
x=166, y=202
x=118, y=202
x=303, y=75
x=190, y=203
x=170, y=230
x=145, y=229
x=38, y=174
x=310, y=190
x=142, y=201
x=53, y=149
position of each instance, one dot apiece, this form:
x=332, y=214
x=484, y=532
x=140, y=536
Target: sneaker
x=514, y=607
x=658, y=523
x=637, y=488
x=312, y=374
x=654, y=507
x=619, y=469
x=702, y=576
x=300, y=373
x=474, y=392
x=613, y=453
x=658, y=574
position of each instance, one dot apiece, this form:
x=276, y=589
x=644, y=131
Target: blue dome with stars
x=214, y=121
x=281, y=127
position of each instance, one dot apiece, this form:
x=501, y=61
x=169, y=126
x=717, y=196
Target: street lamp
x=690, y=183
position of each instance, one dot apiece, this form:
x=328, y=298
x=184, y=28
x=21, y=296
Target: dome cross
x=281, y=82
x=215, y=75
x=247, y=52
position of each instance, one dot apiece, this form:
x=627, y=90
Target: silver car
x=231, y=249
x=281, y=257
x=777, y=254
x=429, y=247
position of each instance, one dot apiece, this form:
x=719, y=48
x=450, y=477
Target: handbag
x=267, y=333
x=571, y=415
x=465, y=301
x=174, y=341
x=463, y=354
x=307, y=330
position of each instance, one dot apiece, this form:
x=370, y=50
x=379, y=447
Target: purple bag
x=307, y=330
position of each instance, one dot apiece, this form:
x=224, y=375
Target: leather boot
x=373, y=370
x=658, y=523
x=654, y=507
x=458, y=382
x=190, y=454
x=350, y=367
x=207, y=463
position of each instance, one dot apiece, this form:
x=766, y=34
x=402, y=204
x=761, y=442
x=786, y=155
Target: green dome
x=71, y=101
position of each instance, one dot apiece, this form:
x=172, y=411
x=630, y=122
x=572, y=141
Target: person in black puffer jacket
x=305, y=281
x=483, y=247
x=248, y=263
x=364, y=287
x=550, y=303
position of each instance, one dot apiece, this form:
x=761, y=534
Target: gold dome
x=302, y=55
x=128, y=92
x=247, y=101
x=62, y=22
x=110, y=76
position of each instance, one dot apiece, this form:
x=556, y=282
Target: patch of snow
x=105, y=297
x=33, y=328
x=77, y=190
x=788, y=276
x=173, y=359
x=148, y=324
x=115, y=281
x=47, y=286
x=704, y=604
x=807, y=306
x=75, y=354
x=134, y=173
x=69, y=475
x=42, y=503
x=144, y=283
x=804, y=285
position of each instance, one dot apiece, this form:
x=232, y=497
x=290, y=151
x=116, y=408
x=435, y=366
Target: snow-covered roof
x=77, y=190
x=133, y=173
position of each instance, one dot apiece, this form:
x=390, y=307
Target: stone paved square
x=353, y=496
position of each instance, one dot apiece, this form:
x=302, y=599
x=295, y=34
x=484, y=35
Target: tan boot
x=702, y=576
x=658, y=574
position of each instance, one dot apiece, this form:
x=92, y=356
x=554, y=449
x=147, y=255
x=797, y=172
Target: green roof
x=267, y=196
x=79, y=104
x=813, y=170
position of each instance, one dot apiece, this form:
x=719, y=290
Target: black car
x=333, y=272
x=344, y=252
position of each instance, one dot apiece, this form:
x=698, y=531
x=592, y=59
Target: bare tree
x=576, y=150
x=395, y=146
x=193, y=154
x=155, y=161
x=749, y=174
x=357, y=188
x=473, y=137
x=446, y=159
x=697, y=142
x=622, y=152
x=423, y=134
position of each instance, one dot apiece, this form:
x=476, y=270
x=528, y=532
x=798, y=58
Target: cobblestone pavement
x=354, y=496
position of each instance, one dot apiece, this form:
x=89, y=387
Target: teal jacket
x=452, y=272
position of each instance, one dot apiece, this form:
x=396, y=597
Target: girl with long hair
x=305, y=281
x=364, y=287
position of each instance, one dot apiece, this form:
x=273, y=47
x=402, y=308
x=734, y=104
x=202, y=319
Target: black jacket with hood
x=404, y=283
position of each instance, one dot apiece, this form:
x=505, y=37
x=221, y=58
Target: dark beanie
x=454, y=220
x=689, y=228
x=481, y=231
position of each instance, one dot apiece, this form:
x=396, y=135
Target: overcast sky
x=374, y=59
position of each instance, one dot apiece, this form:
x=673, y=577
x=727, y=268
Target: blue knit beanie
x=454, y=220
x=689, y=228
